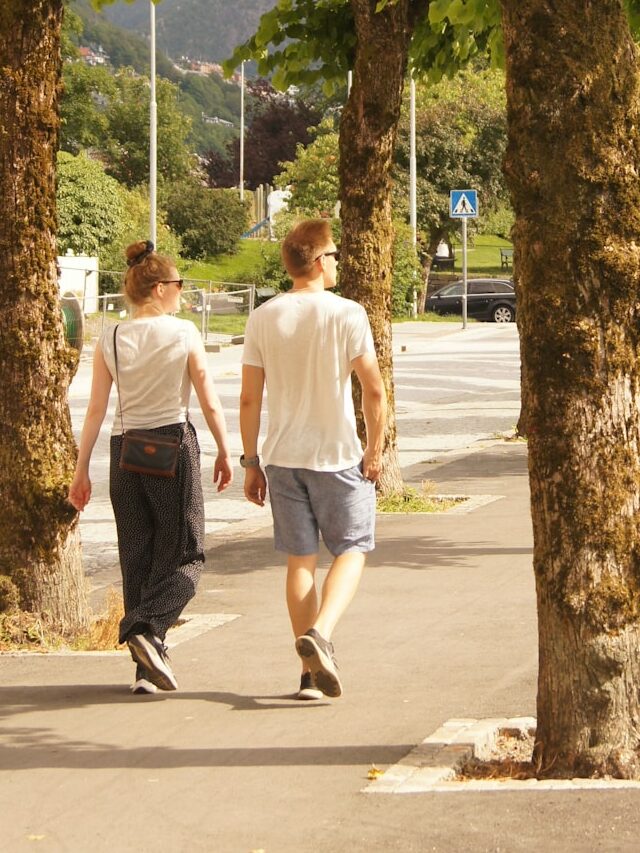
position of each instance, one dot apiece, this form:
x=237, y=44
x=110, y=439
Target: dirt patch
x=510, y=757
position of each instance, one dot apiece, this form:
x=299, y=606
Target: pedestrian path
x=453, y=389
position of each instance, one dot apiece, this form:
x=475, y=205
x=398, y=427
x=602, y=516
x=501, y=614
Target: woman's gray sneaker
x=150, y=652
x=317, y=653
x=143, y=685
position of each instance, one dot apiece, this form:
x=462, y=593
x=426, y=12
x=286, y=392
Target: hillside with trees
x=202, y=97
x=200, y=29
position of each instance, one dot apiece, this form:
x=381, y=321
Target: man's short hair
x=303, y=244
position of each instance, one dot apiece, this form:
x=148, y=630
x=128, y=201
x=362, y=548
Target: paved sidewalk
x=454, y=389
x=443, y=626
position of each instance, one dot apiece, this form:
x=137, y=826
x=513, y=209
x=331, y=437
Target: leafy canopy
x=302, y=41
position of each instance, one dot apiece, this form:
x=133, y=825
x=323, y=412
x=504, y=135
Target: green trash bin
x=73, y=321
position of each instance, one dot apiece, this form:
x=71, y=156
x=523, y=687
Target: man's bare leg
x=338, y=590
x=302, y=598
x=314, y=646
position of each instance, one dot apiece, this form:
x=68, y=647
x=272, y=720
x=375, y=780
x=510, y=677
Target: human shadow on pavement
x=53, y=752
x=428, y=553
x=251, y=553
x=34, y=746
x=486, y=466
x=54, y=698
x=408, y=548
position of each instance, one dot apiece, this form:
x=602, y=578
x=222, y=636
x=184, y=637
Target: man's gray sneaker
x=150, y=652
x=308, y=689
x=317, y=653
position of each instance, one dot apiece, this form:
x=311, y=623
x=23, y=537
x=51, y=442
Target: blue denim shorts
x=341, y=505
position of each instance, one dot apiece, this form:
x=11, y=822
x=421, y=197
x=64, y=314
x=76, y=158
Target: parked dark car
x=487, y=299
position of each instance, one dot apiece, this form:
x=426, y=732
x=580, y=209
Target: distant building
x=198, y=67
x=216, y=120
x=93, y=55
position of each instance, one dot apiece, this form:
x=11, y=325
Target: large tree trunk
x=572, y=164
x=39, y=546
x=367, y=138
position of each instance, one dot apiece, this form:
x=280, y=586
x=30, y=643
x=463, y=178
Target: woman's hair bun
x=137, y=252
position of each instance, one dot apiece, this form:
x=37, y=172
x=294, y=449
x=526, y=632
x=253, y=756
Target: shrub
x=209, y=222
x=91, y=208
x=498, y=222
x=406, y=271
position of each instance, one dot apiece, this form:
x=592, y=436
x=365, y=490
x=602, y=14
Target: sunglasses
x=179, y=282
x=335, y=254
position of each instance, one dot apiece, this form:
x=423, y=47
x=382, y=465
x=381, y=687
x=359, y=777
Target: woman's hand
x=80, y=491
x=223, y=472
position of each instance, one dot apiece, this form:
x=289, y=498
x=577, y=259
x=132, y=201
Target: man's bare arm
x=374, y=410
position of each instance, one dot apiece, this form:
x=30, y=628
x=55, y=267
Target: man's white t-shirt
x=305, y=343
x=153, y=370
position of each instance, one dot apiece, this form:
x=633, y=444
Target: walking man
x=304, y=344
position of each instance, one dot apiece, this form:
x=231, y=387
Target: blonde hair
x=146, y=269
x=303, y=244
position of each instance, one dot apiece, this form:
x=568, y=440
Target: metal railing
x=202, y=301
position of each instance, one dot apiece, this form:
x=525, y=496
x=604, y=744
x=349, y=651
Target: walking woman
x=155, y=359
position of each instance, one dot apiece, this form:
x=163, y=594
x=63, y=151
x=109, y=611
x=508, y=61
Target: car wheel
x=503, y=314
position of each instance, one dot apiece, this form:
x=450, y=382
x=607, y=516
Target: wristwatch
x=251, y=462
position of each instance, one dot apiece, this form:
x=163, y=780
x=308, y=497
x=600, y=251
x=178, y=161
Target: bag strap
x=115, y=357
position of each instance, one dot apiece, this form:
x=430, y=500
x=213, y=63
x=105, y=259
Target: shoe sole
x=157, y=670
x=323, y=668
x=144, y=687
x=309, y=693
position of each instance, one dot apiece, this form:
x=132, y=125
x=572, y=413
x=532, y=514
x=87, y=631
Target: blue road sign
x=463, y=204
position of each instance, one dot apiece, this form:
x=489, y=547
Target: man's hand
x=255, y=485
x=371, y=465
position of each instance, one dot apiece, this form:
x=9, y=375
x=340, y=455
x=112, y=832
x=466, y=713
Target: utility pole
x=413, y=218
x=241, y=131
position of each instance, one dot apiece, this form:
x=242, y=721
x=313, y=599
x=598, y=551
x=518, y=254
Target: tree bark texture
x=572, y=165
x=39, y=544
x=367, y=139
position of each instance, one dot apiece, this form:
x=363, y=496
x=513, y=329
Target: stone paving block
x=425, y=777
x=424, y=755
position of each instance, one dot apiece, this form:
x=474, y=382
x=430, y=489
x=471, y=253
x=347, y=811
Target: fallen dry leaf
x=374, y=772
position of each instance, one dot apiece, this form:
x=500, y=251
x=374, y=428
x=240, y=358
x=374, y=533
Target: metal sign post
x=463, y=204
x=464, y=274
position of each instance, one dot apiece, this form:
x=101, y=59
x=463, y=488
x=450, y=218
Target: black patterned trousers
x=160, y=524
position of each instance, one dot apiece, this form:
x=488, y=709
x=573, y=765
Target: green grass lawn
x=233, y=268
x=483, y=256
x=227, y=324
x=432, y=317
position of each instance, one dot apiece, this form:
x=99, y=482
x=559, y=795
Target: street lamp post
x=242, y=131
x=413, y=215
x=153, y=130
x=413, y=218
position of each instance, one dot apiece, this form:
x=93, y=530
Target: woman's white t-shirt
x=305, y=343
x=153, y=370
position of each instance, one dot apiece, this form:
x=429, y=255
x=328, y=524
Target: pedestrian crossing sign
x=463, y=204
